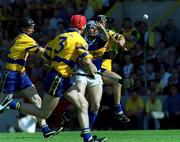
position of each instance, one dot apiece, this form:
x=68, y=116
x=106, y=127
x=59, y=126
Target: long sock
x=45, y=129
x=92, y=118
x=118, y=108
x=85, y=133
x=14, y=105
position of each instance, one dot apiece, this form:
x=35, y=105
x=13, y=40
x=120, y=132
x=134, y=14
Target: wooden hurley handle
x=118, y=42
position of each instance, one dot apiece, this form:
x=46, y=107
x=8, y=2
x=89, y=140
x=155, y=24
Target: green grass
x=113, y=136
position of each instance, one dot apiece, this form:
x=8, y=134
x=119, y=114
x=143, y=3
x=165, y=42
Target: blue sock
x=14, y=105
x=85, y=133
x=45, y=129
x=92, y=118
x=118, y=108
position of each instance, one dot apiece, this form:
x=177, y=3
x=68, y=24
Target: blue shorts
x=55, y=85
x=103, y=70
x=14, y=81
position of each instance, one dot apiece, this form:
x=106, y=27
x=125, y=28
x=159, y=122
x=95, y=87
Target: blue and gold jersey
x=97, y=49
x=22, y=46
x=111, y=45
x=64, y=50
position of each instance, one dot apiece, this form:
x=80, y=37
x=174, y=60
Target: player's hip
x=56, y=85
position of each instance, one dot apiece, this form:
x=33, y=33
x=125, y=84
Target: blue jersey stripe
x=18, y=61
x=81, y=48
x=83, y=55
x=48, y=48
x=46, y=56
x=68, y=62
x=94, y=48
x=29, y=48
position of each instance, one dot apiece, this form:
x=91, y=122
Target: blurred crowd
x=152, y=61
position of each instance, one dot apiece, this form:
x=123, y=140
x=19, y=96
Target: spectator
x=172, y=107
x=127, y=31
x=153, y=88
x=128, y=67
x=154, y=112
x=135, y=110
x=170, y=33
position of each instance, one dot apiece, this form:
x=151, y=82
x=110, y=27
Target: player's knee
x=83, y=106
x=95, y=107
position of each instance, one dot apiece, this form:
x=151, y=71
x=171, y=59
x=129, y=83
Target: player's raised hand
x=102, y=30
x=121, y=42
x=100, y=26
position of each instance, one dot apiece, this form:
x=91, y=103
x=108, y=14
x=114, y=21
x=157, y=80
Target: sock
x=118, y=108
x=85, y=133
x=14, y=105
x=92, y=118
x=45, y=129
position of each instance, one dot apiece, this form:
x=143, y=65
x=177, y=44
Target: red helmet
x=78, y=21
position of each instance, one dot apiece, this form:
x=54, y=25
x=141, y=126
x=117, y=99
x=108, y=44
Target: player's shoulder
x=24, y=38
x=76, y=37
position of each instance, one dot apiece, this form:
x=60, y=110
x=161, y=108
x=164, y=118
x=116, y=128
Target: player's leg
x=94, y=95
x=29, y=91
x=49, y=103
x=109, y=79
x=31, y=94
x=78, y=100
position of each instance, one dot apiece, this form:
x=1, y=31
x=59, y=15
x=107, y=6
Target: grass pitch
x=113, y=136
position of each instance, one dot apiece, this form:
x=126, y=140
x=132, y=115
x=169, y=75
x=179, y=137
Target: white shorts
x=87, y=80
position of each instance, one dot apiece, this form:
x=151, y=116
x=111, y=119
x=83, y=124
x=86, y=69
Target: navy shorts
x=14, y=81
x=55, y=85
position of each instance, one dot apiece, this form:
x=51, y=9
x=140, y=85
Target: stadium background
x=162, y=53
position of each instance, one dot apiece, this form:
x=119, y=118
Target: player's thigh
x=49, y=103
x=108, y=77
x=74, y=96
x=94, y=94
x=81, y=85
x=31, y=94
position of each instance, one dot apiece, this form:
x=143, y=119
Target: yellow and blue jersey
x=22, y=46
x=111, y=46
x=15, y=77
x=63, y=52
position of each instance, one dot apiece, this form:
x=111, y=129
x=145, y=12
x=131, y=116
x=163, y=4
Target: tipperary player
x=15, y=77
x=96, y=37
x=62, y=54
x=107, y=69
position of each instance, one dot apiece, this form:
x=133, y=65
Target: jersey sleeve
x=82, y=50
x=47, y=54
x=33, y=47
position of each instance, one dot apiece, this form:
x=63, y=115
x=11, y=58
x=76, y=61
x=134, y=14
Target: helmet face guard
x=89, y=26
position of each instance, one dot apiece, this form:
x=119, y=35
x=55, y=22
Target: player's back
x=64, y=52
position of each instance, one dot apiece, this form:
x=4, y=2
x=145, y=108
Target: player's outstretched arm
x=102, y=30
